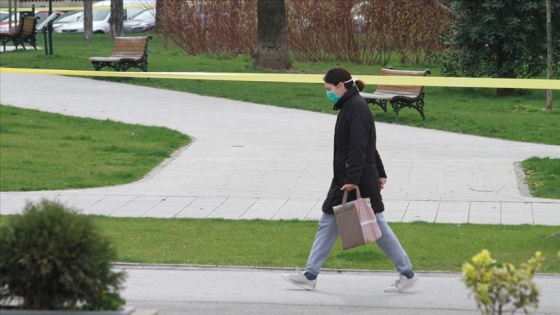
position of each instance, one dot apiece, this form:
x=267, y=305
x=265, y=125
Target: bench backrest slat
x=29, y=23
x=401, y=88
x=130, y=46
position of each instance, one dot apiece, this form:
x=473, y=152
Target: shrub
x=500, y=39
x=52, y=258
x=360, y=31
x=501, y=287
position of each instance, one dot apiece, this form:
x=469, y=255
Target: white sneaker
x=301, y=281
x=402, y=284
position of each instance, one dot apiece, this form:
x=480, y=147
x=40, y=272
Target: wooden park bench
x=25, y=33
x=399, y=96
x=127, y=52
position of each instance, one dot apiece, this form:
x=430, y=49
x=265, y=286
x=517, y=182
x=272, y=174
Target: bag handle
x=345, y=197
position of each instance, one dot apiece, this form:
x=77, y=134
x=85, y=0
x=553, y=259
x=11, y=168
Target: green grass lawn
x=442, y=247
x=543, y=177
x=219, y=242
x=44, y=151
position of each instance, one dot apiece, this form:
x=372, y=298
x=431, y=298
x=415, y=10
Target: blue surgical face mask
x=332, y=97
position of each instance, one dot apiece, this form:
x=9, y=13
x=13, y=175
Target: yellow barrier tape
x=310, y=78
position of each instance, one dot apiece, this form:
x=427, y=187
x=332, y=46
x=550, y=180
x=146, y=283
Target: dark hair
x=337, y=75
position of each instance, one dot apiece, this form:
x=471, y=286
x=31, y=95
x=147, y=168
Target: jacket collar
x=353, y=91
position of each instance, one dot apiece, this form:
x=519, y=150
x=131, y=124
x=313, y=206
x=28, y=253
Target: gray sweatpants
x=328, y=232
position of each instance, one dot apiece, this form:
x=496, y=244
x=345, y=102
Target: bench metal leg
x=98, y=65
x=126, y=64
x=380, y=103
x=399, y=104
x=144, y=65
x=33, y=42
x=5, y=39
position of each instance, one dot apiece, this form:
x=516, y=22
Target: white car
x=141, y=22
x=4, y=15
x=102, y=13
x=70, y=17
x=100, y=24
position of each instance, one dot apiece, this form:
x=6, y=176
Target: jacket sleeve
x=360, y=128
x=379, y=163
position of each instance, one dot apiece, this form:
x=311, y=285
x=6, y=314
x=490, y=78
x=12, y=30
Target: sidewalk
x=175, y=290
x=253, y=161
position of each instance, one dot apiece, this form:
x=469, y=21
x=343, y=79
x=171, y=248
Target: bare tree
x=272, y=40
x=88, y=20
x=116, y=19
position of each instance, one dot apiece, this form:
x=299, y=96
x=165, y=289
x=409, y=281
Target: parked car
x=100, y=24
x=3, y=15
x=5, y=23
x=141, y=22
x=101, y=16
x=69, y=17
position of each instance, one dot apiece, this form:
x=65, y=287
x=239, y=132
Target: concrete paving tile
x=316, y=212
x=29, y=197
x=108, y=205
x=485, y=213
x=6, y=196
x=201, y=207
x=18, y=202
x=517, y=213
x=61, y=197
x=453, y=212
x=295, y=209
x=546, y=213
x=12, y=207
x=84, y=200
x=421, y=211
x=232, y=208
x=137, y=207
x=395, y=210
x=169, y=207
x=263, y=208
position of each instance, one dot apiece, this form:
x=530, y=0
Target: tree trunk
x=116, y=19
x=88, y=20
x=159, y=15
x=272, y=40
x=548, y=53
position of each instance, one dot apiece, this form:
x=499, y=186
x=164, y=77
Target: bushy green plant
x=499, y=38
x=53, y=258
x=501, y=287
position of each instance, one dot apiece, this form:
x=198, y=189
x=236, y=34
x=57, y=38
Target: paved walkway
x=252, y=161
x=178, y=290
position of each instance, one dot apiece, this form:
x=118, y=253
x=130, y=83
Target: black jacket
x=356, y=160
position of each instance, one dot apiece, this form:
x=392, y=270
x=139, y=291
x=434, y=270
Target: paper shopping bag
x=356, y=222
